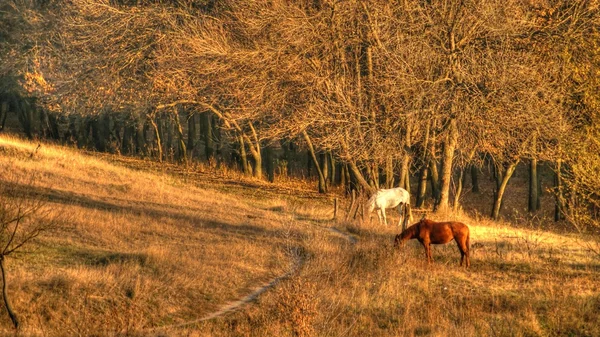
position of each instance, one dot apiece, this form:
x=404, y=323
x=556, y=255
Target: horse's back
x=459, y=227
x=389, y=198
x=443, y=232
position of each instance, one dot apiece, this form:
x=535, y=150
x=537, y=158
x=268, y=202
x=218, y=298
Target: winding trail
x=235, y=305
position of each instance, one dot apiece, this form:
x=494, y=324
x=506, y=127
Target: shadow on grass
x=153, y=210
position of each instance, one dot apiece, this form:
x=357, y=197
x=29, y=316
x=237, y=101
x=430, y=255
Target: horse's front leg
x=427, y=245
x=427, y=250
x=379, y=216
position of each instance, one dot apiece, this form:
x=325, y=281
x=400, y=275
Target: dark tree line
x=364, y=94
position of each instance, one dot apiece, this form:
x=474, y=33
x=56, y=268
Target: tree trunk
x=77, y=127
x=325, y=168
x=243, y=156
x=86, y=131
x=159, y=147
x=207, y=131
x=257, y=171
x=53, y=126
x=461, y=177
x=311, y=149
x=359, y=177
x=49, y=125
x=540, y=189
x=407, y=182
x=424, y=172
x=255, y=152
x=182, y=150
x=309, y=164
x=127, y=142
x=9, y=310
x=474, y=179
x=333, y=175
x=98, y=139
x=348, y=178
x=141, y=147
x=116, y=134
x=106, y=135
x=343, y=181
x=359, y=87
x=3, y=115
x=533, y=186
x=191, y=140
x=405, y=167
x=25, y=115
x=422, y=188
x=389, y=172
x=169, y=137
x=433, y=168
x=434, y=179
x=269, y=164
x=288, y=156
x=558, y=184
x=219, y=141
x=447, y=160
x=503, y=179
x=533, y=178
x=373, y=171
x=403, y=171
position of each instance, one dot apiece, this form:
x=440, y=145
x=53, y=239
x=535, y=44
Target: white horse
x=390, y=198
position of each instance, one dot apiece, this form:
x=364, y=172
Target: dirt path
x=235, y=305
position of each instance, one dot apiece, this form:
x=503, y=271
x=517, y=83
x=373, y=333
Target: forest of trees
x=374, y=93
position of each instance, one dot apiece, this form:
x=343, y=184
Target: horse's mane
x=409, y=233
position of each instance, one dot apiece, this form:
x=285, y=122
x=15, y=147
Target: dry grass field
x=143, y=249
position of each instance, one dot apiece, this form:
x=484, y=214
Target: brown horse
x=428, y=232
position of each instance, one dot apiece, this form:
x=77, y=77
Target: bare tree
x=22, y=219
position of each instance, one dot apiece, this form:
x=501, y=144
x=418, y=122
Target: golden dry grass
x=134, y=249
x=521, y=283
x=141, y=249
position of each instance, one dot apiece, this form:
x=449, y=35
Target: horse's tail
x=468, y=241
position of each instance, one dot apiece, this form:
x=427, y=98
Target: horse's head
x=371, y=205
x=398, y=241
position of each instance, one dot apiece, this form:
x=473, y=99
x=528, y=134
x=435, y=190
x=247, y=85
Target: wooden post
x=351, y=205
x=335, y=208
x=358, y=203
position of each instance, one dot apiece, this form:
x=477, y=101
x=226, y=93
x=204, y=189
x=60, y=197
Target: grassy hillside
x=133, y=249
x=141, y=248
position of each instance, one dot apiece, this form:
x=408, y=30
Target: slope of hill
x=132, y=249
x=140, y=250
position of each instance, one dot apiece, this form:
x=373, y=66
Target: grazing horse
x=390, y=198
x=428, y=232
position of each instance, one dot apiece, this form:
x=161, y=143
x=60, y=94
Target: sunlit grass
x=144, y=248
x=134, y=249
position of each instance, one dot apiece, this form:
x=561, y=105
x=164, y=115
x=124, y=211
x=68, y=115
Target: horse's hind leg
x=384, y=217
x=463, y=246
x=468, y=248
